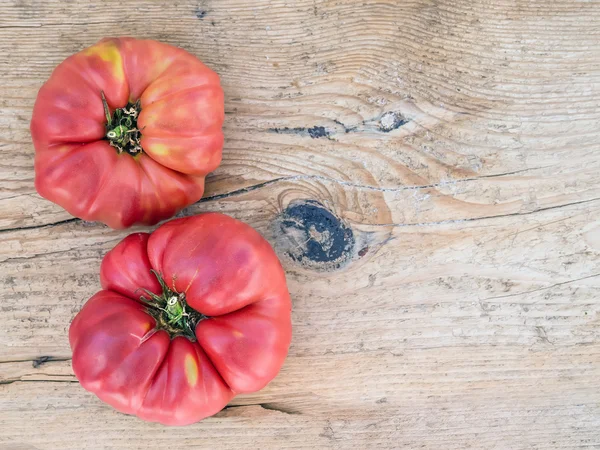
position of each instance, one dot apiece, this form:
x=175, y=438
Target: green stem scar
x=121, y=128
x=171, y=311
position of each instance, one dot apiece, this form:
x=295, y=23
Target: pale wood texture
x=457, y=140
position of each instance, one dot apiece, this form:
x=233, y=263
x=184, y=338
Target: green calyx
x=171, y=311
x=121, y=128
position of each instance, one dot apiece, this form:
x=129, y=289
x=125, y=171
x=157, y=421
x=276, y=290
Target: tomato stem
x=171, y=311
x=121, y=128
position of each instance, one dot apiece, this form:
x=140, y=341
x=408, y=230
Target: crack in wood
x=266, y=406
x=25, y=380
x=36, y=363
x=314, y=132
x=18, y=259
x=540, y=289
x=58, y=25
x=46, y=358
x=240, y=191
x=357, y=185
x=319, y=178
x=476, y=219
x=346, y=128
x=46, y=225
x=40, y=359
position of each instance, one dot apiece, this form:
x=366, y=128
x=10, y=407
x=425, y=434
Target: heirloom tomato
x=190, y=315
x=126, y=130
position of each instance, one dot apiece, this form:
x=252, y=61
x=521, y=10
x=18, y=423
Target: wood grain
x=426, y=170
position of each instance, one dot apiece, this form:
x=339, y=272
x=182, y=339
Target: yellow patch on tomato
x=108, y=52
x=191, y=370
x=158, y=149
x=238, y=333
x=147, y=327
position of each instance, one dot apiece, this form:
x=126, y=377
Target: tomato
x=126, y=131
x=190, y=315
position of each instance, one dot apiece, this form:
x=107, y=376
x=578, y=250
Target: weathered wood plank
x=453, y=322
x=475, y=102
x=451, y=146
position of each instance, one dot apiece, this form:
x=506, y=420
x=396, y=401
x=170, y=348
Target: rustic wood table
x=428, y=172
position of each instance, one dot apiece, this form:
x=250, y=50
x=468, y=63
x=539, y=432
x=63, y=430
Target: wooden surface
x=427, y=170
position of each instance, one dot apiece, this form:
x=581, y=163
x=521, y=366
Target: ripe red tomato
x=176, y=347
x=125, y=132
